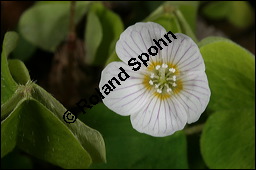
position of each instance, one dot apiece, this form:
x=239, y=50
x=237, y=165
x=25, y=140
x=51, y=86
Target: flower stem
x=194, y=129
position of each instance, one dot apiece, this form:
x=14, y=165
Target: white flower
x=162, y=97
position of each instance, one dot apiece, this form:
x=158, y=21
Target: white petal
x=195, y=94
x=160, y=117
x=128, y=97
x=137, y=39
x=184, y=53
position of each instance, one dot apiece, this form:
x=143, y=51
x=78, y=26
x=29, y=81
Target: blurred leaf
x=189, y=11
x=217, y=10
x=8, y=85
x=127, y=148
x=24, y=50
x=46, y=24
x=113, y=57
x=110, y=27
x=231, y=73
x=242, y=14
x=170, y=15
x=228, y=140
x=186, y=29
x=93, y=36
x=238, y=13
x=168, y=21
x=19, y=71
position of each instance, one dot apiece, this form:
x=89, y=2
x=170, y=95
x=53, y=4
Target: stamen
x=172, y=70
x=151, y=82
x=159, y=91
x=174, y=78
x=164, y=65
x=157, y=67
x=152, y=75
x=163, y=79
x=169, y=90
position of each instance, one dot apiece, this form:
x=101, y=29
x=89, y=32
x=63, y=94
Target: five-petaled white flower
x=171, y=91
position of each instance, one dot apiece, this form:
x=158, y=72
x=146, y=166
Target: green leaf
x=189, y=11
x=228, y=136
x=90, y=139
x=93, y=36
x=171, y=17
x=231, y=74
x=186, y=29
x=127, y=148
x=242, y=14
x=169, y=22
x=46, y=24
x=19, y=71
x=46, y=137
x=228, y=140
x=24, y=50
x=111, y=27
x=21, y=161
x=9, y=131
x=238, y=13
x=31, y=117
x=113, y=57
x=8, y=85
x=217, y=10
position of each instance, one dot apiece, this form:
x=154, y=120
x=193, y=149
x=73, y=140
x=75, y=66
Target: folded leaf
x=8, y=85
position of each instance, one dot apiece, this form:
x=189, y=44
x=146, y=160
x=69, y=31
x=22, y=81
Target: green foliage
x=19, y=71
x=126, y=148
x=31, y=119
x=228, y=138
x=8, y=85
x=103, y=29
x=231, y=69
x=46, y=23
x=238, y=13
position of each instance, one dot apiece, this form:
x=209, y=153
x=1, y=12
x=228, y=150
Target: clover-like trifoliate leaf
x=228, y=138
x=46, y=24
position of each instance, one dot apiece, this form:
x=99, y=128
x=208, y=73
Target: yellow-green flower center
x=163, y=79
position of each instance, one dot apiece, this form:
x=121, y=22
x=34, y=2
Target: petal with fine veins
x=184, y=53
x=128, y=97
x=137, y=39
x=160, y=117
x=195, y=94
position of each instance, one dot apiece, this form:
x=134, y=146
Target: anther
x=157, y=67
x=174, y=78
x=164, y=65
x=169, y=90
x=151, y=82
x=172, y=70
x=174, y=84
x=159, y=91
x=152, y=75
